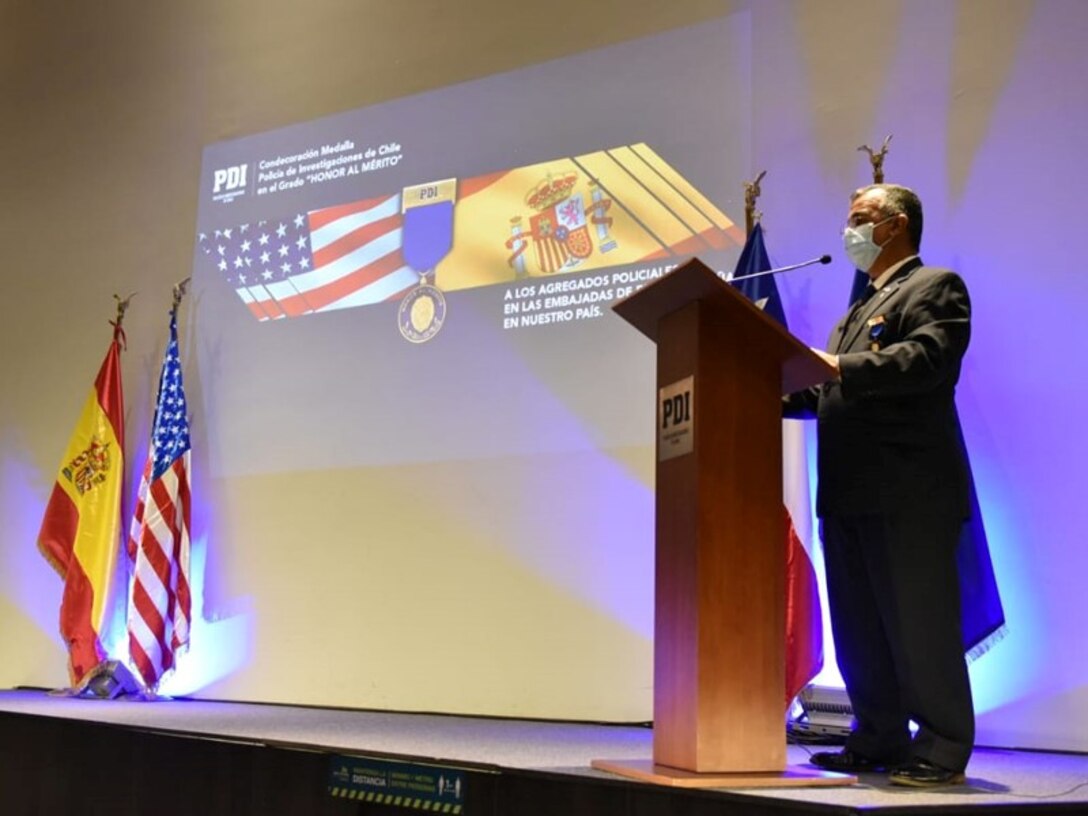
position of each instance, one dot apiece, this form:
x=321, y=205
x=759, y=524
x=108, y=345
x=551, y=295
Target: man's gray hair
x=899, y=199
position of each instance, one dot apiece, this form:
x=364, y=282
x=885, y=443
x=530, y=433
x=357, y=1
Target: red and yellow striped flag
x=81, y=530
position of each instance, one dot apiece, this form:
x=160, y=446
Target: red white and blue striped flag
x=158, y=545
x=804, y=616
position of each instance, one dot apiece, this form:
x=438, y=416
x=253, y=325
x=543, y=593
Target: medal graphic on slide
x=427, y=235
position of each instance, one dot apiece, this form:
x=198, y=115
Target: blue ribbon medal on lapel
x=876, y=330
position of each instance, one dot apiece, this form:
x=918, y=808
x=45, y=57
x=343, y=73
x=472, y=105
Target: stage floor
x=995, y=777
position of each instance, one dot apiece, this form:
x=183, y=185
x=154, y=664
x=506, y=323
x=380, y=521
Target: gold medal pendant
x=422, y=312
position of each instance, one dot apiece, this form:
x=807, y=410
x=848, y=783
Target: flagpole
x=876, y=159
x=751, y=194
x=180, y=289
x=159, y=621
x=122, y=307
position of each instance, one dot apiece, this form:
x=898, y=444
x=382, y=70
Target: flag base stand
x=109, y=680
x=793, y=776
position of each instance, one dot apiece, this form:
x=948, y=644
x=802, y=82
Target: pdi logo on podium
x=229, y=182
x=676, y=419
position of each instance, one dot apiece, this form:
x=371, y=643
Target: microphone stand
x=823, y=259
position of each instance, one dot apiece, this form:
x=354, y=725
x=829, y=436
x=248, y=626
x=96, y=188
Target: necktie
x=869, y=291
x=855, y=310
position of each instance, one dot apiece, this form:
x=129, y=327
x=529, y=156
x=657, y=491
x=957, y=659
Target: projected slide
x=430, y=278
x=609, y=208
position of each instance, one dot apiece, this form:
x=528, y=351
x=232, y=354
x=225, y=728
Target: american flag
x=331, y=258
x=158, y=545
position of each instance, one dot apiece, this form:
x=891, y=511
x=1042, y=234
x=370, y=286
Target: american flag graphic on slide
x=331, y=258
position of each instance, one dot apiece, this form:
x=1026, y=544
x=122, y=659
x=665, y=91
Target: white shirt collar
x=891, y=270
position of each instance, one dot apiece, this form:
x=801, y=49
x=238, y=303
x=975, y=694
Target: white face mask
x=859, y=245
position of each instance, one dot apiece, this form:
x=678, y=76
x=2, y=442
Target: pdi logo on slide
x=229, y=182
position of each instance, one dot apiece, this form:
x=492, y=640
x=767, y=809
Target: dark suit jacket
x=888, y=432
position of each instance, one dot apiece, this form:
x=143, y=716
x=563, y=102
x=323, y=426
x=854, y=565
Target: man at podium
x=892, y=495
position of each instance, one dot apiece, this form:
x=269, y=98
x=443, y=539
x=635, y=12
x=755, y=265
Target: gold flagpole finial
x=180, y=288
x=122, y=307
x=751, y=193
x=876, y=159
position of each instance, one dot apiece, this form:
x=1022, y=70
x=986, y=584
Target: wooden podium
x=719, y=628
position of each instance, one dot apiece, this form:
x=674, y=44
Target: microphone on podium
x=823, y=259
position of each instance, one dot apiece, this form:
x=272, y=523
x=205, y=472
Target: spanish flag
x=81, y=531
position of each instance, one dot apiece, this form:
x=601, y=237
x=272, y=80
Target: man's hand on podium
x=831, y=359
